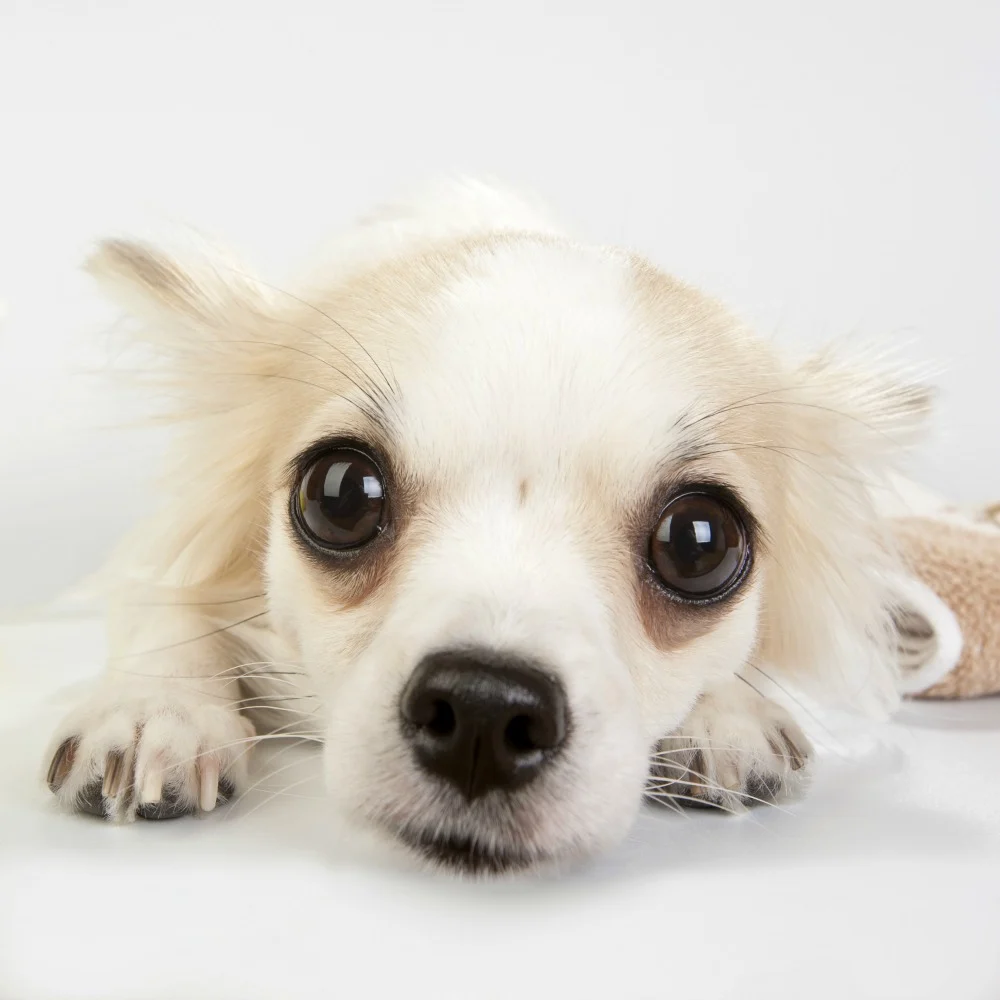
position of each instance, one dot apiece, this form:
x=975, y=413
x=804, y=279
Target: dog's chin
x=467, y=856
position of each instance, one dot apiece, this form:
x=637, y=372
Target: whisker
x=685, y=424
x=755, y=690
x=275, y=793
x=281, y=793
x=284, y=378
x=781, y=451
x=279, y=708
x=273, y=774
x=665, y=759
x=189, y=604
x=271, y=700
x=316, y=309
x=353, y=361
x=707, y=745
x=678, y=800
x=709, y=786
x=184, y=642
x=278, y=675
x=287, y=734
x=293, y=743
x=272, y=673
x=699, y=743
x=751, y=401
x=248, y=743
x=706, y=783
x=665, y=799
x=302, y=381
x=812, y=715
x=298, y=350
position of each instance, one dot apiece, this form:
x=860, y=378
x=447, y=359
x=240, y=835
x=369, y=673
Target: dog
x=518, y=526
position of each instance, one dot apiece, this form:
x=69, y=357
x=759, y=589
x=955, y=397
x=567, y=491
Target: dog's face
x=478, y=561
x=525, y=504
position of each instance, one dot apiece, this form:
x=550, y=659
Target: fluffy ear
x=828, y=595
x=209, y=292
x=210, y=345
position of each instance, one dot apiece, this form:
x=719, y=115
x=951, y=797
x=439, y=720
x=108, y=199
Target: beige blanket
x=949, y=605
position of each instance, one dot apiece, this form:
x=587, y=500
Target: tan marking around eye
x=670, y=625
x=351, y=587
x=369, y=580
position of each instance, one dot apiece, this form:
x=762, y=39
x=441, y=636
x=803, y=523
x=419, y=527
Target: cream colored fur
x=498, y=353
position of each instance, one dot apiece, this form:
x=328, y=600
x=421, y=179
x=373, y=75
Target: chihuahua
x=521, y=528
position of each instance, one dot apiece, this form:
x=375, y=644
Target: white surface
x=883, y=883
x=825, y=168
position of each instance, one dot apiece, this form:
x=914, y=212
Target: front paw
x=735, y=749
x=149, y=756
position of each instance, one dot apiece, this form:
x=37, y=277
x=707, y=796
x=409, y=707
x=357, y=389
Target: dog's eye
x=699, y=548
x=340, y=500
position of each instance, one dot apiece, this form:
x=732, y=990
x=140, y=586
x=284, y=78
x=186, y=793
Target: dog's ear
x=206, y=348
x=199, y=323
x=206, y=291
x=874, y=409
x=839, y=431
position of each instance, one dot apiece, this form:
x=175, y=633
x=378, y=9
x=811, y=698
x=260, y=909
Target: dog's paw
x=734, y=750
x=155, y=756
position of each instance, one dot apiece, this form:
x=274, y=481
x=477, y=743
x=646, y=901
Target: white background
x=826, y=169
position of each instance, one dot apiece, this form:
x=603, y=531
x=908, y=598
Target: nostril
x=442, y=721
x=517, y=735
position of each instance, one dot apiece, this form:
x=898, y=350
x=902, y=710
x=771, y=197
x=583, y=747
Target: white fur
x=536, y=389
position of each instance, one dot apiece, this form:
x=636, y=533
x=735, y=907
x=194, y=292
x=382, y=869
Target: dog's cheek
x=369, y=771
x=290, y=597
x=306, y=615
x=668, y=683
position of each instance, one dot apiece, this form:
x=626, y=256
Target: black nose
x=482, y=721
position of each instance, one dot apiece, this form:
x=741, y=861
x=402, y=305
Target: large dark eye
x=699, y=548
x=340, y=499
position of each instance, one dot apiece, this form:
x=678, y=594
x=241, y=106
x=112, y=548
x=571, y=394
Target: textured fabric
x=958, y=557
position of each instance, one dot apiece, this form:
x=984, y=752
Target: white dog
x=518, y=524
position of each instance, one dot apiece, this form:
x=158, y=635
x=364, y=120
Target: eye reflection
x=699, y=548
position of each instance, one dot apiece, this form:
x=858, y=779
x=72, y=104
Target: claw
x=695, y=774
x=797, y=757
x=62, y=763
x=152, y=786
x=778, y=751
x=208, y=784
x=114, y=770
x=727, y=774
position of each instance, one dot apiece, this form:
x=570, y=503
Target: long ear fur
x=827, y=623
x=213, y=343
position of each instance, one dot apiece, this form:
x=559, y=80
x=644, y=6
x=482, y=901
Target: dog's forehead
x=543, y=352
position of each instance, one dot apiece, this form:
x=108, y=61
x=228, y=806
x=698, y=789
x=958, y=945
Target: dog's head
x=517, y=503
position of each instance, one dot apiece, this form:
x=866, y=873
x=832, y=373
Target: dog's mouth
x=467, y=855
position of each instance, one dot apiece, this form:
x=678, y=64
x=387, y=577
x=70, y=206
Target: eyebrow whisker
x=316, y=309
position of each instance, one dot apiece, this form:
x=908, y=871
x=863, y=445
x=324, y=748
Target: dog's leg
x=162, y=735
x=735, y=749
